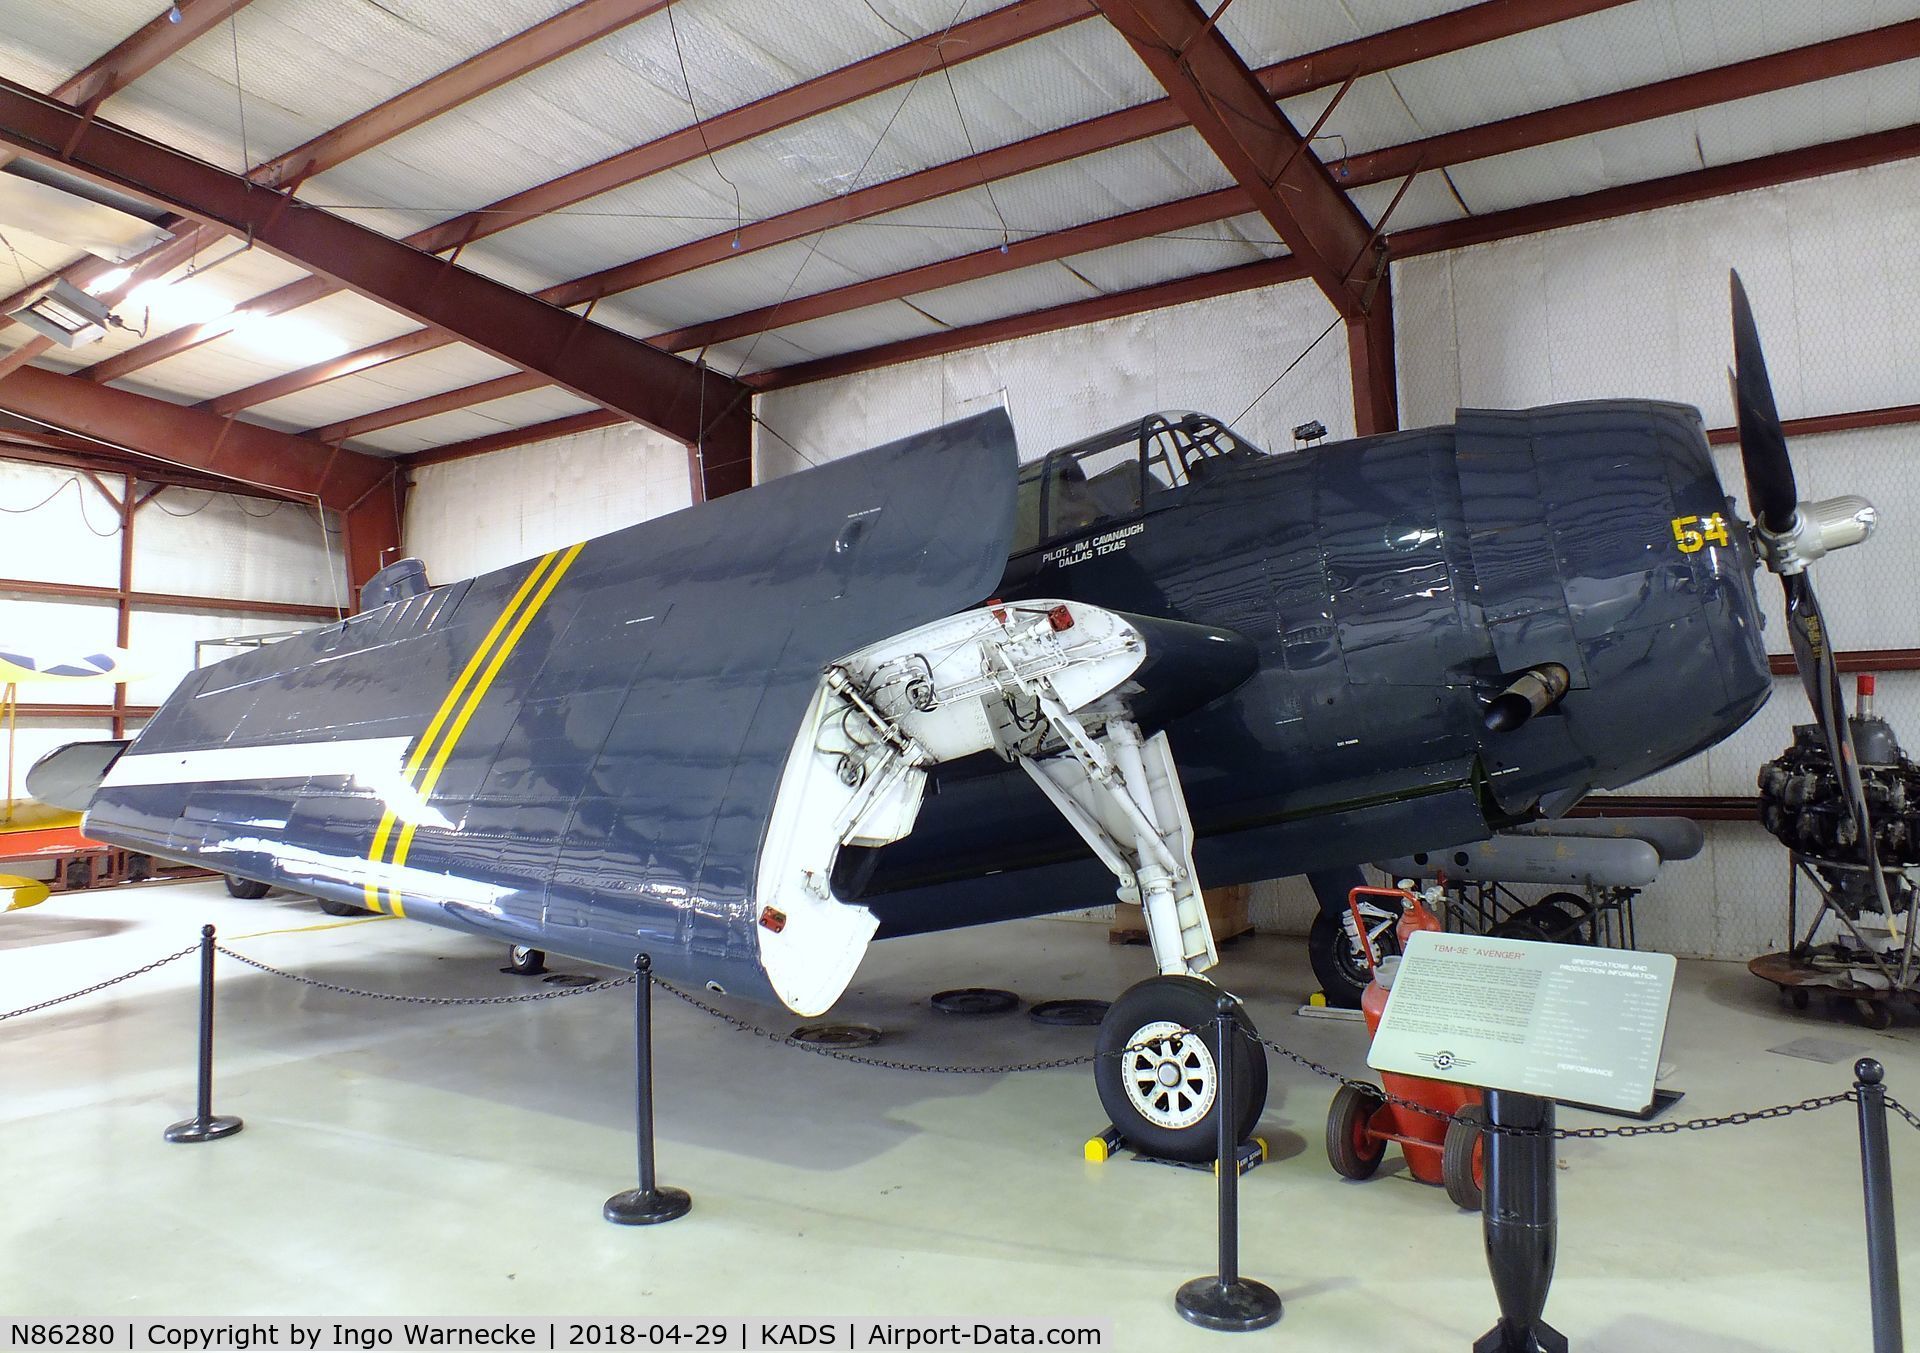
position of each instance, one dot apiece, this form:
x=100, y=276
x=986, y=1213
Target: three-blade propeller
x=1773, y=498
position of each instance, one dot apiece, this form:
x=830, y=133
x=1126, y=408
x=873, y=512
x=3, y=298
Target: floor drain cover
x=975, y=1001
x=837, y=1035
x=1073, y=1012
x=569, y=979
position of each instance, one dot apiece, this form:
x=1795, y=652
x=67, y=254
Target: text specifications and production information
x=556, y=1336
x=1557, y=1020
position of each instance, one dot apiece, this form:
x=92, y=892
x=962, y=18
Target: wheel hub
x=1169, y=1075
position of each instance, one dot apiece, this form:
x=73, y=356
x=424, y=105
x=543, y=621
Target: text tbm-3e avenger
x=921, y=688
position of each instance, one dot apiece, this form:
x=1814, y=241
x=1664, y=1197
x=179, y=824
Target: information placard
x=1557, y=1020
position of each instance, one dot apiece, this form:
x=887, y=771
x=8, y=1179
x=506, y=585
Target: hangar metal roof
x=787, y=192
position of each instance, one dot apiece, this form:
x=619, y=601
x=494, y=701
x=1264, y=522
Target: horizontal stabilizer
x=67, y=777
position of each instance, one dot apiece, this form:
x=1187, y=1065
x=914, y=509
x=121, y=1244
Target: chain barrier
x=1563, y=1134
x=996, y=1069
x=558, y=993
x=841, y=1055
x=102, y=986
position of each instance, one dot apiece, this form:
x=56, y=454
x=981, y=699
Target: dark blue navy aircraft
x=922, y=687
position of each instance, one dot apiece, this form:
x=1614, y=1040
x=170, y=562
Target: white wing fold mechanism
x=1044, y=683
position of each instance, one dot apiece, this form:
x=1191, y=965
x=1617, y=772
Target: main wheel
x=340, y=908
x=1338, y=962
x=1354, y=1152
x=1158, y=1069
x=1463, y=1158
x=250, y=889
x=526, y=961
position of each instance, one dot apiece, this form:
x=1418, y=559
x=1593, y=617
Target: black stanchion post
x=649, y=1204
x=1520, y=1222
x=1876, y=1175
x=1227, y=1301
x=204, y=1126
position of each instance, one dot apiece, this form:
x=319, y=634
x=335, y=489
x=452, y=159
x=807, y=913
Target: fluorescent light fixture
x=65, y=314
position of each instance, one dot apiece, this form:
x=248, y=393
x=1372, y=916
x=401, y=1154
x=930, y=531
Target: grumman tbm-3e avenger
x=922, y=687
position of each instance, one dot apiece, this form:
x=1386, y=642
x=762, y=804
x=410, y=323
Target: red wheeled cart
x=1443, y=1146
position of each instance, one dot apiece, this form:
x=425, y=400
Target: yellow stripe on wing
x=501, y=654
x=376, y=853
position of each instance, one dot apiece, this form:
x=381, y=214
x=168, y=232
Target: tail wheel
x=1158, y=1070
x=526, y=961
x=250, y=889
x=341, y=908
x=1463, y=1158
x=1353, y=1151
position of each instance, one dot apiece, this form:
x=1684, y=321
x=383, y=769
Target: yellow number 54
x=1693, y=533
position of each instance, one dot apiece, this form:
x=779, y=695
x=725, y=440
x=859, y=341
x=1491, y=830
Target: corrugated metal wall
x=55, y=526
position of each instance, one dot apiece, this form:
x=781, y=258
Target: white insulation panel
x=485, y=512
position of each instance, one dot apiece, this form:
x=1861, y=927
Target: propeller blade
x=1771, y=491
x=1820, y=674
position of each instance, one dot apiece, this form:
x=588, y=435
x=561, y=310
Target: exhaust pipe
x=1534, y=690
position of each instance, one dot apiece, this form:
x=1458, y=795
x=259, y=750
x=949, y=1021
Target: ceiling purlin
x=1458, y=29
x=897, y=65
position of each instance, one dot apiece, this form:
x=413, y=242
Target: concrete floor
x=413, y=1160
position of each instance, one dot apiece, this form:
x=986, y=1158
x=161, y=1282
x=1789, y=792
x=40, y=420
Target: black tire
x=1187, y=1110
x=1352, y=1154
x=1462, y=1156
x=1339, y=964
x=1799, y=997
x=139, y=868
x=1876, y=1015
x=250, y=889
x=528, y=962
x=79, y=872
x=1554, y=920
x=340, y=908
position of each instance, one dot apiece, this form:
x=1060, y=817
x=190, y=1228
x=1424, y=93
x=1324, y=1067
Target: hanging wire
x=813, y=246
x=239, y=94
x=1289, y=367
x=80, y=495
x=700, y=125
x=973, y=150
x=784, y=442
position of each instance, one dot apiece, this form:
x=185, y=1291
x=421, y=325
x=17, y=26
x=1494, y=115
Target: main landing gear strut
x=1048, y=684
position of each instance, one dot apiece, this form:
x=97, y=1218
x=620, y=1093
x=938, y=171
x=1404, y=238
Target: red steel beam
x=1898, y=42
x=373, y=532
x=1248, y=133
x=34, y=709
x=608, y=368
x=1698, y=185
x=101, y=460
x=522, y=436
x=1058, y=244
x=1485, y=22
x=1766, y=171
x=976, y=37
x=500, y=387
x=500, y=64
x=190, y=437
x=155, y=41
x=1898, y=415
x=164, y=601
x=1199, y=287
x=1683, y=93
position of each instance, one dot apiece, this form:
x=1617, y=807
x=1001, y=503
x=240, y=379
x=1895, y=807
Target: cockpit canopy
x=1117, y=474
